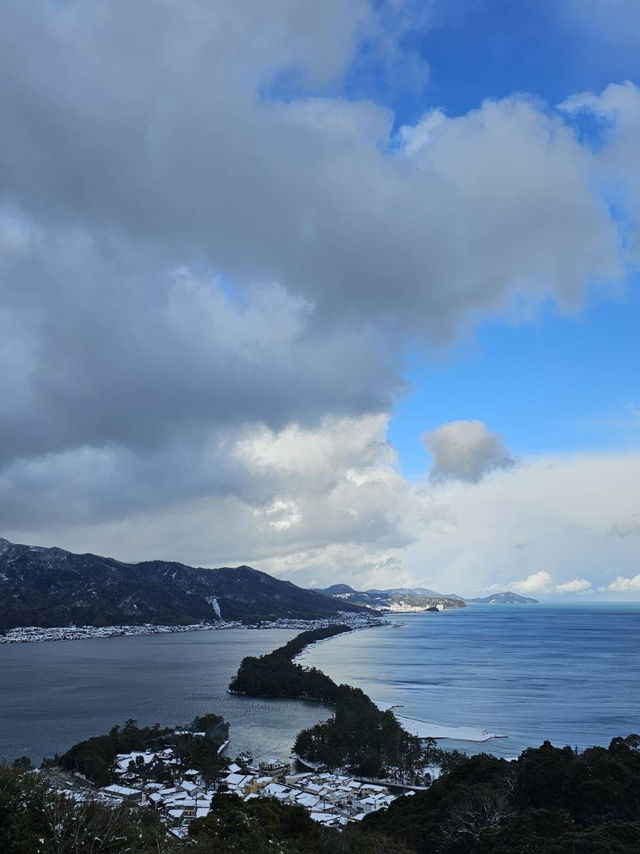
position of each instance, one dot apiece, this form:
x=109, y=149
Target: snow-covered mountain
x=52, y=587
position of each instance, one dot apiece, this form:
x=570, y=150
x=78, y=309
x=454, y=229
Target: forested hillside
x=53, y=587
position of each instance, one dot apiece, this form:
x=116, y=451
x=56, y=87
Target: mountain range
x=507, y=598
x=394, y=599
x=52, y=587
x=417, y=598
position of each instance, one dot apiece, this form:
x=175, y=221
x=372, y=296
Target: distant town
x=38, y=634
x=331, y=799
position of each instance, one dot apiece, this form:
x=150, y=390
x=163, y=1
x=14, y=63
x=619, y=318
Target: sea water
x=57, y=693
x=569, y=674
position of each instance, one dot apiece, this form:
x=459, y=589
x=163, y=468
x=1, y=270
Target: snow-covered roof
x=307, y=800
x=122, y=791
x=276, y=790
x=323, y=817
x=181, y=832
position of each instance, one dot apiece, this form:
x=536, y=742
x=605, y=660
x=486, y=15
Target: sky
x=348, y=291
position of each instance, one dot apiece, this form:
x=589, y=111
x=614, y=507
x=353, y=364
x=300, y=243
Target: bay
x=55, y=694
x=570, y=674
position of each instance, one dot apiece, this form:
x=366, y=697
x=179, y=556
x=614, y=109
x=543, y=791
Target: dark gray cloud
x=183, y=257
x=465, y=450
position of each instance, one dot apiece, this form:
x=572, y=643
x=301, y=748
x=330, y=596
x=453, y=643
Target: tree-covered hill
x=549, y=801
x=53, y=587
x=397, y=598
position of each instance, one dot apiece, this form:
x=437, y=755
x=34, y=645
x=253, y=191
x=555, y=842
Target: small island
x=507, y=598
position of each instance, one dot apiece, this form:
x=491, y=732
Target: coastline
x=39, y=634
x=428, y=729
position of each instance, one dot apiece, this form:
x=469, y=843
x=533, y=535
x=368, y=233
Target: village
x=39, y=634
x=332, y=799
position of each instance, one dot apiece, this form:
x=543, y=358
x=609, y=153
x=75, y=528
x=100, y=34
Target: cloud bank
x=576, y=585
x=625, y=585
x=212, y=261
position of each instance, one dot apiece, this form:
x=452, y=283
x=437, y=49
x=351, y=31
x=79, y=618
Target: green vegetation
x=52, y=587
x=550, y=801
x=363, y=739
x=95, y=757
x=275, y=674
x=264, y=826
x=35, y=819
x=358, y=737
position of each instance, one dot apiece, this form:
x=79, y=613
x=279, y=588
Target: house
x=307, y=800
x=276, y=790
x=243, y=784
x=276, y=770
x=124, y=793
x=325, y=818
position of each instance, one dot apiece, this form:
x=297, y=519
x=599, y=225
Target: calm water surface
x=55, y=694
x=567, y=674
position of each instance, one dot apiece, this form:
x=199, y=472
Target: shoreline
x=41, y=634
x=439, y=732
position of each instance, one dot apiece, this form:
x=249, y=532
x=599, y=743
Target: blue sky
x=478, y=49
x=563, y=381
x=556, y=384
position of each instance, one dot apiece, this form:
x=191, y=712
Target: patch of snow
x=424, y=729
x=212, y=600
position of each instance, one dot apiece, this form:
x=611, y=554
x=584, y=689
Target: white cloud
x=537, y=582
x=207, y=293
x=465, y=450
x=322, y=244
x=618, y=108
x=625, y=585
x=560, y=508
x=328, y=504
x=577, y=585
x=300, y=501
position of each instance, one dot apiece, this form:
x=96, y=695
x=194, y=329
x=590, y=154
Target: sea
x=567, y=674
x=56, y=693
